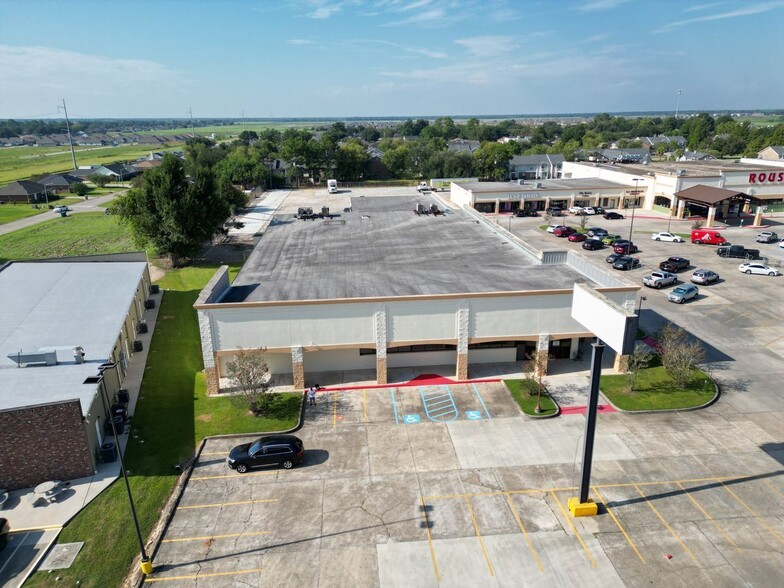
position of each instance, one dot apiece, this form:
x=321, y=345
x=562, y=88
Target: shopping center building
x=382, y=287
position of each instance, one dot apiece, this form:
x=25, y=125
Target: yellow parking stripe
x=706, y=515
x=772, y=487
x=430, y=540
x=181, y=539
x=226, y=503
x=479, y=536
x=200, y=576
x=214, y=452
x=665, y=523
x=233, y=476
x=754, y=514
x=618, y=523
x=525, y=533
x=574, y=529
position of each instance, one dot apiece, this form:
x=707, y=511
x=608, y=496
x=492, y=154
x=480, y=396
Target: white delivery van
x=332, y=186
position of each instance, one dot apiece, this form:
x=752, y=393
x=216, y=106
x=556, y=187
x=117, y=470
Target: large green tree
x=173, y=213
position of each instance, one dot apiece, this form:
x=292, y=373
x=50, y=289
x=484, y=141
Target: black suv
x=527, y=212
x=283, y=450
x=626, y=263
x=674, y=264
x=592, y=244
x=613, y=216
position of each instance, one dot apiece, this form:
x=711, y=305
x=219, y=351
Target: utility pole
x=68, y=129
x=243, y=119
x=678, y=102
x=193, y=130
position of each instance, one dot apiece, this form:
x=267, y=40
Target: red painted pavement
x=583, y=409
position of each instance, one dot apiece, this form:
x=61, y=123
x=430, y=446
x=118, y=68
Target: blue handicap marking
x=474, y=415
x=411, y=419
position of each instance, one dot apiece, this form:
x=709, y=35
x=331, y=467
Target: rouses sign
x=766, y=177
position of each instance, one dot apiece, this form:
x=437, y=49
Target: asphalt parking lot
x=687, y=498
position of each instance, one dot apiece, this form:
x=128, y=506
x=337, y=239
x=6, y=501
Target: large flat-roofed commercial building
x=759, y=184
x=501, y=197
x=383, y=287
x=52, y=414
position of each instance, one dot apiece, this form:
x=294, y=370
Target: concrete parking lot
x=481, y=500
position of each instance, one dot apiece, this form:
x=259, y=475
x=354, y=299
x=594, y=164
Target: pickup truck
x=767, y=237
x=659, y=279
x=738, y=251
x=423, y=187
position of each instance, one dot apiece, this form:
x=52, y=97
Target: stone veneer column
x=711, y=216
x=298, y=367
x=758, y=217
x=621, y=364
x=211, y=371
x=681, y=208
x=380, y=329
x=542, y=355
x=463, y=319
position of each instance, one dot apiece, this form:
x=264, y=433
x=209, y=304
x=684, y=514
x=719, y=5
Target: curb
x=536, y=416
x=136, y=577
x=712, y=401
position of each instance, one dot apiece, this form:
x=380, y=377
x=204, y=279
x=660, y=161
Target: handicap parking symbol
x=473, y=415
x=410, y=419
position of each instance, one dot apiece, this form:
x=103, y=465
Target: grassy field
x=524, y=392
x=656, y=390
x=17, y=163
x=82, y=234
x=12, y=212
x=233, y=130
x=172, y=416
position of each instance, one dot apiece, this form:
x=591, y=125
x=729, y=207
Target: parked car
x=527, y=212
x=61, y=208
x=596, y=232
x=666, y=237
x=576, y=209
x=555, y=211
x=589, y=210
x=564, y=231
x=553, y=227
x=704, y=276
x=659, y=279
x=613, y=257
x=767, y=237
x=611, y=239
x=599, y=210
x=626, y=262
x=592, y=244
x=683, y=293
x=758, y=268
x=577, y=237
x=613, y=216
x=625, y=247
x=674, y=264
x=281, y=450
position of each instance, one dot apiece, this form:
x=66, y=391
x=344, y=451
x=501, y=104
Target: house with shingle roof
x=23, y=191
x=536, y=167
x=772, y=153
x=59, y=182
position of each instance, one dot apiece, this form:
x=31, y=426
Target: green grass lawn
x=17, y=163
x=12, y=212
x=81, y=234
x=172, y=416
x=656, y=390
x=524, y=393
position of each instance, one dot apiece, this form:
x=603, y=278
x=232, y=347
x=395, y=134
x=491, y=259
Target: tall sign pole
x=68, y=130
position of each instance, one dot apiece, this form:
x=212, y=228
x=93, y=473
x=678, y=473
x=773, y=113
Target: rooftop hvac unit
x=420, y=208
x=325, y=210
x=78, y=353
x=434, y=208
x=539, y=185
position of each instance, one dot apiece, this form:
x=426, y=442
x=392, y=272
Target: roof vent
x=539, y=185
x=45, y=357
x=78, y=353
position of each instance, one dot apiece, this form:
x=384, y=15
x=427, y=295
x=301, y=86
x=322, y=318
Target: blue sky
x=341, y=58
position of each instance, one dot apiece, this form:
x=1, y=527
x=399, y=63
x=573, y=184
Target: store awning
x=708, y=195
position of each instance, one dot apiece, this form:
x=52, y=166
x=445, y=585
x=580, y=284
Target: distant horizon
x=251, y=119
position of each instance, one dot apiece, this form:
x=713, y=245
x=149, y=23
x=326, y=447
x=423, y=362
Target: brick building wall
x=44, y=442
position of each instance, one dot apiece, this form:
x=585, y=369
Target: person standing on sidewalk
x=312, y=396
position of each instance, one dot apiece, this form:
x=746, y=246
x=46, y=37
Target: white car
x=781, y=243
x=551, y=228
x=62, y=208
x=589, y=210
x=666, y=237
x=576, y=209
x=758, y=268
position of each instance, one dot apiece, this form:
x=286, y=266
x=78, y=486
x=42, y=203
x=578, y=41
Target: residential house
x=671, y=143
x=57, y=183
x=462, y=145
x=695, y=156
x=772, y=153
x=514, y=140
x=23, y=191
x=536, y=167
x=377, y=170
x=46, y=142
x=630, y=155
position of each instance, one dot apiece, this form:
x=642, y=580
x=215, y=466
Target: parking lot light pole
x=146, y=563
x=634, y=205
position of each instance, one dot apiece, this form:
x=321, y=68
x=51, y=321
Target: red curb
x=583, y=409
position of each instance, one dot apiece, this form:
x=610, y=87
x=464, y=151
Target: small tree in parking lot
x=680, y=353
x=535, y=369
x=251, y=375
x=639, y=359
x=583, y=222
x=548, y=216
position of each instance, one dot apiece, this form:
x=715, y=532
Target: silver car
x=704, y=276
x=683, y=293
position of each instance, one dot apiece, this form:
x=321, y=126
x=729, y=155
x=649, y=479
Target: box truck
x=332, y=186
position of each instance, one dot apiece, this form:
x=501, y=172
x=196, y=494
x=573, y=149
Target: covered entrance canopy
x=714, y=202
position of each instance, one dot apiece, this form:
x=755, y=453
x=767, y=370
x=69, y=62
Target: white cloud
x=488, y=46
x=49, y=74
x=748, y=10
x=600, y=5
x=300, y=42
x=699, y=7
x=325, y=11
x=597, y=38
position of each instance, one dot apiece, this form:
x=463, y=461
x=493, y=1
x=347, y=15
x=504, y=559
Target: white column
x=542, y=354
x=463, y=326
x=380, y=330
x=575, y=347
x=711, y=216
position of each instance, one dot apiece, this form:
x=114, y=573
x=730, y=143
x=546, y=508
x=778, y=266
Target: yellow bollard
x=146, y=566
